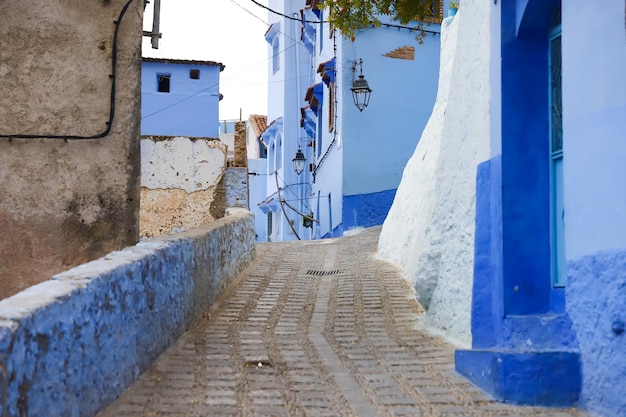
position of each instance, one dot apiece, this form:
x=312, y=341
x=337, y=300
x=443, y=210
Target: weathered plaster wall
x=179, y=181
x=71, y=345
x=236, y=187
x=429, y=231
x=66, y=202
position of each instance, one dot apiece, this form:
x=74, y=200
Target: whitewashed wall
x=179, y=183
x=429, y=232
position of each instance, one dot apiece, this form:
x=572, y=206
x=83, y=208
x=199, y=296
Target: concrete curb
x=71, y=345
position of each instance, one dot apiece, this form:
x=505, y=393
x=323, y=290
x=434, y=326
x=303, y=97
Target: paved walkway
x=313, y=329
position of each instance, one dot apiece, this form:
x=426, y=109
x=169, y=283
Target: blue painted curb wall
x=71, y=345
x=366, y=210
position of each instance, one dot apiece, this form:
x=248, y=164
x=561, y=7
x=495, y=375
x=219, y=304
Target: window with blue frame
x=556, y=155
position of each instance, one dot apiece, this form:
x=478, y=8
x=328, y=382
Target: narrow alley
x=313, y=328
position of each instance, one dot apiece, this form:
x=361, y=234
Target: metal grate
x=322, y=273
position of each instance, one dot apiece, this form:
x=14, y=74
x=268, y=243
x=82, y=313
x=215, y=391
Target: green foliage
x=350, y=15
x=454, y=4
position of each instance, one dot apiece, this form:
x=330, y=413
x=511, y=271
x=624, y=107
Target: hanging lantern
x=361, y=90
x=299, y=162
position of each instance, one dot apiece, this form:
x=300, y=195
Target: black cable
x=109, y=123
x=288, y=17
x=412, y=29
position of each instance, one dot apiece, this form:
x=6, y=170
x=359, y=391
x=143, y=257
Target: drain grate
x=257, y=364
x=322, y=273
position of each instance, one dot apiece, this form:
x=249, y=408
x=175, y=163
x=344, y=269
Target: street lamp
x=361, y=91
x=299, y=162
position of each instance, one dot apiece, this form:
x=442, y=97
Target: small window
x=163, y=81
x=275, y=56
x=194, y=74
x=269, y=226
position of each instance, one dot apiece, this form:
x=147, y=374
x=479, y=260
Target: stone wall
x=240, y=158
x=65, y=202
x=180, y=177
x=71, y=345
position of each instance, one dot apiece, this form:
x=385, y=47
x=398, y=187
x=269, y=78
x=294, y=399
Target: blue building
x=257, y=172
x=180, y=97
x=549, y=292
x=354, y=156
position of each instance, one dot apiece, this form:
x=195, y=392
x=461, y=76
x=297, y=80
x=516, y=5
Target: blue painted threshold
x=546, y=378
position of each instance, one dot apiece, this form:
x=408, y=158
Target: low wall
x=71, y=345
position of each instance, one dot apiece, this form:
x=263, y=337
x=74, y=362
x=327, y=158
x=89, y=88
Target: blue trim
x=318, y=92
x=522, y=377
x=309, y=122
x=487, y=306
x=328, y=73
x=524, y=347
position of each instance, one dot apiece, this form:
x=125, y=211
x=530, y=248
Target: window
x=269, y=226
x=163, y=83
x=279, y=152
x=194, y=74
x=556, y=155
x=275, y=55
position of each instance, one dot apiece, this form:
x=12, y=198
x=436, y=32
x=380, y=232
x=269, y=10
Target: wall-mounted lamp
x=361, y=91
x=299, y=162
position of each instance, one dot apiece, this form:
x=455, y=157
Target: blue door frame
x=523, y=348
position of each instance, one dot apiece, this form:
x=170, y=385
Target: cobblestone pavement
x=313, y=329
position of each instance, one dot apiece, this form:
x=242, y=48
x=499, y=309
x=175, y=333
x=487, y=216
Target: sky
x=227, y=31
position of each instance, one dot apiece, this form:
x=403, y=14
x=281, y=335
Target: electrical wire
x=410, y=28
x=286, y=16
x=182, y=100
x=113, y=76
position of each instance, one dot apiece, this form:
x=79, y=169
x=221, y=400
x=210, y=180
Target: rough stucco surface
x=596, y=295
x=429, y=231
x=71, y=345
x=179, y=180
x=65, y=203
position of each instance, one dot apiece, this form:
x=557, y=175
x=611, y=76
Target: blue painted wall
x=594, y=64
x=380, y=140
x=73, y=344
x=364, y=157
x=357, y=159
x=289, y=74
x=520, y=322
x=257, y=179
x=191, y=108
x=366, y=210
